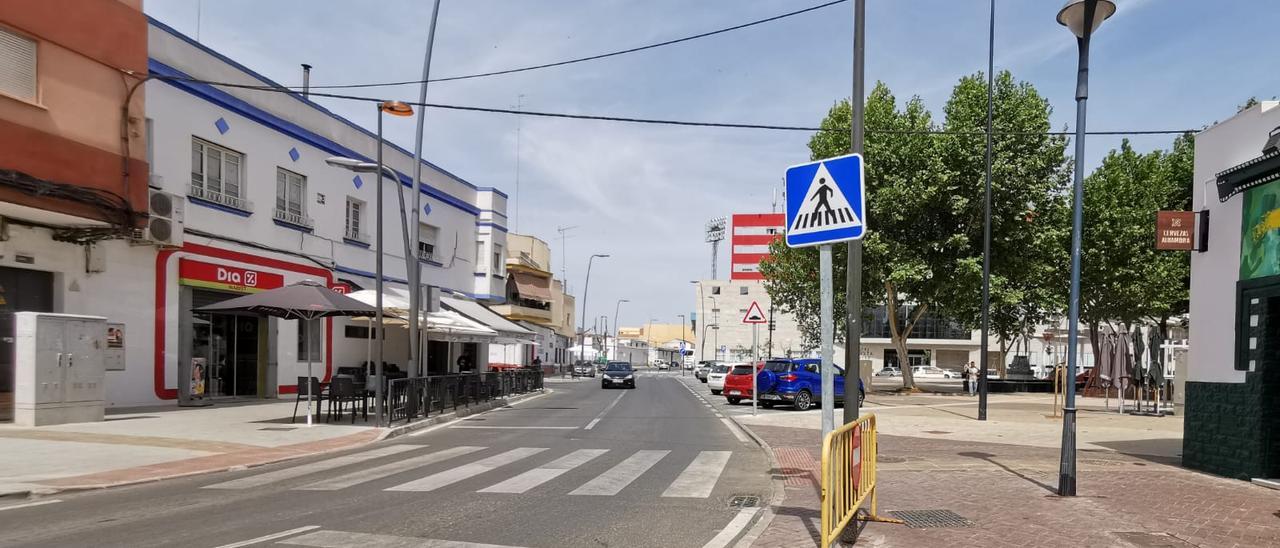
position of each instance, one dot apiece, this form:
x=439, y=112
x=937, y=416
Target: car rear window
x=778, y=367
x=721, y=369
x=741, y=370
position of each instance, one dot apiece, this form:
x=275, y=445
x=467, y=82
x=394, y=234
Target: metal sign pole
x=828, y=372
x=755, y=357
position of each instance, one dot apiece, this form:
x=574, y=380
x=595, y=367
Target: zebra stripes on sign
x=825, y=202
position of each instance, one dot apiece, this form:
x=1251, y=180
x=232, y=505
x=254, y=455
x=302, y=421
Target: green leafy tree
x=1124, y=279
x=925, y=210
x=1029, y=223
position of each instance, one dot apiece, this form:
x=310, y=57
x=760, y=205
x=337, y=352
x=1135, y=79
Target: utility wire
x=589, y=57
x=660, y=121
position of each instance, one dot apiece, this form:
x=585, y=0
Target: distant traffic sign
x=754, y=314
x=825, y=202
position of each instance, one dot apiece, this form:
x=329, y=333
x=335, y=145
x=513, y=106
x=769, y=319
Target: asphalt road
x=581, y=466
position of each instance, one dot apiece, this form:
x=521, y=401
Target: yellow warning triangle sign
x=754, y=314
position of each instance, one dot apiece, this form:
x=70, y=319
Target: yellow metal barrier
x=849, y=476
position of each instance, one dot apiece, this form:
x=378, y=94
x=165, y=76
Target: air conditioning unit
x=164, y=227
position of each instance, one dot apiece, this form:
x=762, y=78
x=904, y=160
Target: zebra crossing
x=697, y=479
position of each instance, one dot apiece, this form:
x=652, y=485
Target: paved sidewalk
x=148, y=444
x=1001, y=475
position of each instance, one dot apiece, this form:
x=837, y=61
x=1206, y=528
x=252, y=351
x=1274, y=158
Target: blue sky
x=643, y=193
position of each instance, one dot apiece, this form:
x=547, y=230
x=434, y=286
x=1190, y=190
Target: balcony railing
x=219, y=198
x=355, y=235
x=292, y=218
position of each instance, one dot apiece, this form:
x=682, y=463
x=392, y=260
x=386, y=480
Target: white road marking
x=621, y=475
x=272, y=536
x=311, y=468
x=701, y=476
x=378, y=472
x=731, y=531
x=485, y=427
x=346, y=539
x=454, y=475
x=593, y=422
x=737, y=432
x=548, y=472
x=30, y=504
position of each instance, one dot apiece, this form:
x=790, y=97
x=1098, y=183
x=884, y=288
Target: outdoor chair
x=342, y=390
x=312, y=391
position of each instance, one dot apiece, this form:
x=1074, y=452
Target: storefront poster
x=197, y=377
x=1260, y=233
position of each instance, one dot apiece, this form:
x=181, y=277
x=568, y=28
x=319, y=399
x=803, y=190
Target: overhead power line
x=655, y=121
x=589, y=57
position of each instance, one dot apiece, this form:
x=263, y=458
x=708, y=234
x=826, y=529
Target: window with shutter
x=18, y=66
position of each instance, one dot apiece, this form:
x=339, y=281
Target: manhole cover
x=922, y=519
x=744, y=501
x=890, y=460
x=277, y=429
x=1152, y=540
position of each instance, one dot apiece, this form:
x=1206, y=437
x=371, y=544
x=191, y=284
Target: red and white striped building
x=752, y=234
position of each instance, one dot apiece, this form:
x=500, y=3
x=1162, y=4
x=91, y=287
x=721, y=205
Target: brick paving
x=1007, y=491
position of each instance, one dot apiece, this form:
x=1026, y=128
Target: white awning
x=508, y=331
x=444, y=325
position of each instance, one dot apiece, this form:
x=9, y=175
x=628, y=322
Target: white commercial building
x=257, y=207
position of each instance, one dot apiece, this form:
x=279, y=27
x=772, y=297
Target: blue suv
x=798, y=383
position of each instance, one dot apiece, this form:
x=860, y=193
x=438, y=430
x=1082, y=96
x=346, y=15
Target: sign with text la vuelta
x=227, y=278
x=1175, y=230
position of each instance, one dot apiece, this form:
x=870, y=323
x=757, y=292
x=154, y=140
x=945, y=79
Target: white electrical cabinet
x=59, y=368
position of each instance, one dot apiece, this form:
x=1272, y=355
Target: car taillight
x=788, y=377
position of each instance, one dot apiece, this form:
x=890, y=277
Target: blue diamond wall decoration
x=222, y=125
x=356, y=181
x=293, y=153
x=426, y=209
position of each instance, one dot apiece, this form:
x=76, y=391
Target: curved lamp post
x=615, y=328
x=1082, y=17
x=394, y=108
x=582, y=321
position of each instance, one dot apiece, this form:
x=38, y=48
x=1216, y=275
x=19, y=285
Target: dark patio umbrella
x=305, y=300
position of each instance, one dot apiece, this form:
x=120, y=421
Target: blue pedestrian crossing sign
x=825, y=202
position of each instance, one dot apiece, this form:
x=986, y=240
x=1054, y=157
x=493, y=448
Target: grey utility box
x=59, y=368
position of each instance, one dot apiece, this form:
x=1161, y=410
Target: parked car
x=584, y=370
x=618, y=374
x=799, y=383
x=715, y=378
x=737, y=384
x=889, y=371
x=704, y=368
x=927, y=371
x=661, y=365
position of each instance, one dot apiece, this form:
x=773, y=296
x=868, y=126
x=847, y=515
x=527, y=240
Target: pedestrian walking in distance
x=971, y=378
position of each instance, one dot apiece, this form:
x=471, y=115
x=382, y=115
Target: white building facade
x=260, y=208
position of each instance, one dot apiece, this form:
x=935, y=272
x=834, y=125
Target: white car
x=934, y=372
x=662, y=366
x=715, y=379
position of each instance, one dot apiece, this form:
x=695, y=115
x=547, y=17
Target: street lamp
x=682, y=370
x=702, y=305
x=395, y=108
x=1082, y=17
x=415, y=272
x=615, y=328
x=582, y=321
x=715, y=326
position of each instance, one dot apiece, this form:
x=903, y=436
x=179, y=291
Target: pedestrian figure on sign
x=821, y=195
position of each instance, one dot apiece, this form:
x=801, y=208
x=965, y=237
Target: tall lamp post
x=615, y=327
x=702, y=306
x=395, y=108
x=682, y=370
x=715, y=326
x=582, y=321
x=1082, y=17
x=415, y=273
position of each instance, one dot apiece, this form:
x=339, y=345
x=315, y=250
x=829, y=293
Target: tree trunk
x=898, y=339
x=1002, y=370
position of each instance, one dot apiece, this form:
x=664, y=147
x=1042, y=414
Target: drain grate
x=1152, y=540
x=923, y=519
x=744, y=501
x=277, y=429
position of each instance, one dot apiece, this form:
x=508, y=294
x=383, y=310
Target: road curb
x=387, y=433
x=777, y=493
